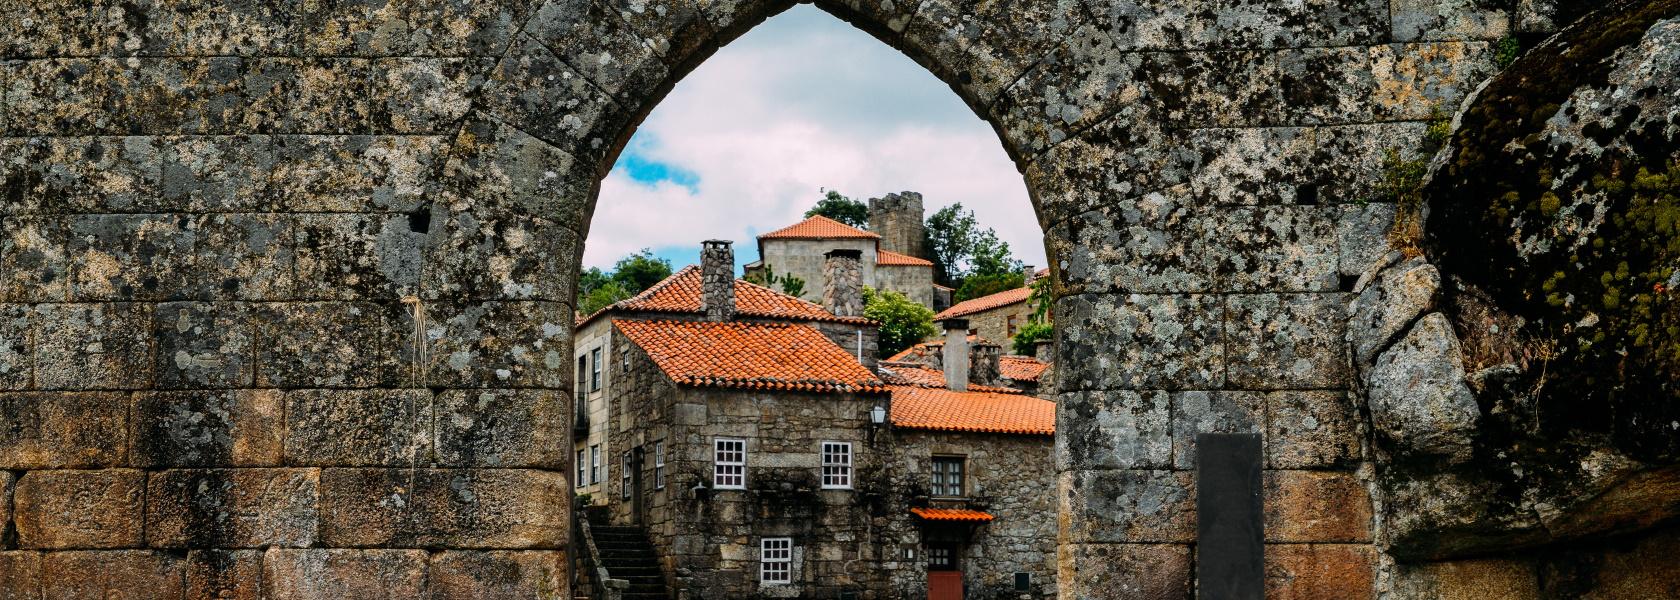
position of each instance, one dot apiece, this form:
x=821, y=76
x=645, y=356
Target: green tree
x=598, y=289
x=793, y=286
x=640, y=271
x=767, y=277
x=842, y=209
x=962, y=248
x=975, y=286
x=602, y=296
x=904, y=323
x=1025, y=342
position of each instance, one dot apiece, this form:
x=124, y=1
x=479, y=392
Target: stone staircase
x=626, y=554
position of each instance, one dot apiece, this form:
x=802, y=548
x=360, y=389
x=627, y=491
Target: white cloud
x=803, y=102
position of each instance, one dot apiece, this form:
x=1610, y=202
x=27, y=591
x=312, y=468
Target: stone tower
x=898, y=219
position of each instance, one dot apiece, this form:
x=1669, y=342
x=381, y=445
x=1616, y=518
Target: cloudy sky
x=801, y=103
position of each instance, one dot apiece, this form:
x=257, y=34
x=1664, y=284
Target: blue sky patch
x=635, y=163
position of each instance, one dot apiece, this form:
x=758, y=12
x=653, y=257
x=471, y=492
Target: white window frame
x=624, y=477
x=836, y=470
x=659, y=465
x=582, y=467
x=729, y=463
x=594, y=464
x=595, y=370
x=775, y=561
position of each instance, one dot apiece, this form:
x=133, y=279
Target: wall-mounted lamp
x=878, y=415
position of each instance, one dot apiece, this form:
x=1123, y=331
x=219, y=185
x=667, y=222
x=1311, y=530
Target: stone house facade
x=996, y=317
x=766, y=460
x=679, y=297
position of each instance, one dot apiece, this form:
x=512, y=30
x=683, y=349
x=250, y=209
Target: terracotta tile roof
x=1021, y=368
x=944, y=410
x=680, y=293
x=883, y=257
x=935, y=347
x=952, y=514
x=752, y=356
x=983, y=303
x=819, y=228
x=917, y=374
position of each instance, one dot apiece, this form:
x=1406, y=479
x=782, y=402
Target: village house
x=894, y=251
x=997, y=316
x=759, y=456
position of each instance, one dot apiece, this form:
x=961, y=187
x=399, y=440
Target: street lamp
x=878, y=415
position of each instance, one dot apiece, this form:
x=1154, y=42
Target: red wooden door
x=945, y=585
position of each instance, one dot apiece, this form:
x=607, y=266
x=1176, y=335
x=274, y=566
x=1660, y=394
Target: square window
x=947, y=476
x=729, y=464
x=837, y=465
x=775, y=561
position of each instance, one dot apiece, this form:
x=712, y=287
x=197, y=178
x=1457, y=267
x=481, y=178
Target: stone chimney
x=1045, y=351
x=717, y=280
x=956, y=354
x=983, y=365
x=1027, y=274
x=898, y=220
x=843, y=283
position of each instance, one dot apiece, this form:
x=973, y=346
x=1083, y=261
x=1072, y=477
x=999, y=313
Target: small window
x=659, y=465
x=582, y=468
x=624, y=477
x=837, y=465
x=729, y=464
x=1009, y=326
x=942, y=557
x=947, y=476
x=595, y=464
x=1023, y=582
x=595, y=370
x=775, y=561
x=624, y=359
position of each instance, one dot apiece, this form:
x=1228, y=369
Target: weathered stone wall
x=1007, y=476
x=804, y=259
x=999, y=324
x=915, y=282
x=375, y=214
x=898, y=219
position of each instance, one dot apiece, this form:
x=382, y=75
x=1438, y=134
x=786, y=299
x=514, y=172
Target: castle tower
x=898, y=220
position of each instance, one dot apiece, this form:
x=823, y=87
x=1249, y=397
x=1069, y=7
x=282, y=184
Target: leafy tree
x=602, y=296
x=598, y=289
x=842, y=209
x=640, y=271
x=975, y=286
x=962, y=248
x=904, y=323
x=1026, y=339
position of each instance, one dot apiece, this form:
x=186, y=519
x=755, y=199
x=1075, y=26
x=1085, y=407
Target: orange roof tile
x=680, y=293
x=1021, y=368
x=935, y=346
x=952, y=514
x=983, y=303
x=944, y=410
x=753, y=356
x=918, y=374
x=819, y=228
x=894, y=259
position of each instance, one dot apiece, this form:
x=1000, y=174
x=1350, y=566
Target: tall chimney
x=717, y=280
x=1027, y=274
x=985, y=366
x=843, y=282
x=956, y=354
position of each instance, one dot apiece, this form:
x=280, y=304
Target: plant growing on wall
x=1038, y=327
x=790, y=284
x=904, y=323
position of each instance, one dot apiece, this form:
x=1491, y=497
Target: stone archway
x=286, y=287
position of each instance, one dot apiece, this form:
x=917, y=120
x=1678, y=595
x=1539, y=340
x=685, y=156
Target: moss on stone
x=1589, y=269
